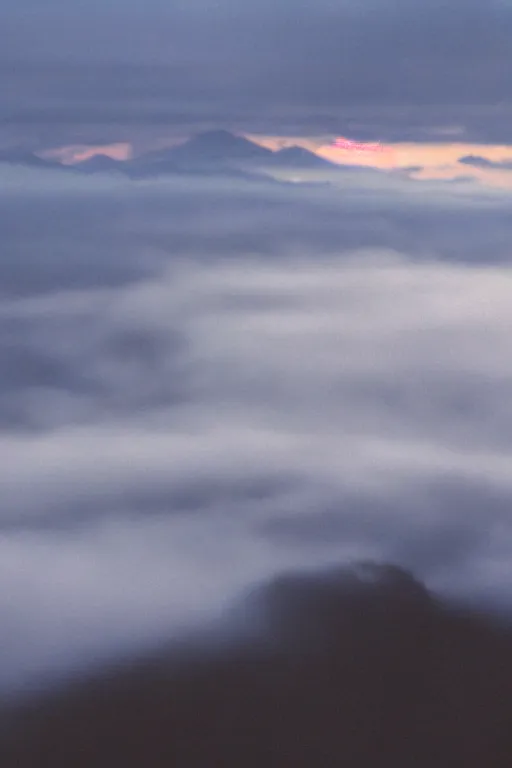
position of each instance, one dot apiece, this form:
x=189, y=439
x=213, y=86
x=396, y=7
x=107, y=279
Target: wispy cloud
x=251, y=379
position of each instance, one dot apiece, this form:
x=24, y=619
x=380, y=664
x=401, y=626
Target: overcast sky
x=277, y=64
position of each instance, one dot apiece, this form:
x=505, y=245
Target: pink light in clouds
x=76, y=153
x=356, y=146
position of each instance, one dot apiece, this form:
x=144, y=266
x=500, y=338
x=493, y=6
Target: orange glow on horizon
x=437, y=161
x=77, y=153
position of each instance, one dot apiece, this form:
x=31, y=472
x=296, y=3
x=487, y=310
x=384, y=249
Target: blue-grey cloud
x=156, y=65
x=208, y=382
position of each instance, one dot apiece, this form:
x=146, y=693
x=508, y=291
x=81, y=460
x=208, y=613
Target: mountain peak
x=98, y=163
x=219, y=136
x=19, y=156
x=299, y=157
x=220, y=144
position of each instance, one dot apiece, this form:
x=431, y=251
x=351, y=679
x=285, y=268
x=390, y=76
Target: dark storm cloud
x=247, y=377
x=218, y=61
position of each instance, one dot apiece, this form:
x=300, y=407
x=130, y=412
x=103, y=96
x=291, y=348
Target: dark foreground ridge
x=351, y=669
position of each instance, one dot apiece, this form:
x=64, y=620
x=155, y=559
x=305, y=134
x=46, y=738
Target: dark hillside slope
x=352, y=669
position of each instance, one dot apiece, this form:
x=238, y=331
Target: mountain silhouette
x=210, y=153
x=99, y=164
x=483, y=162
x=362, y=668
x=28, y=159
x=221, y=152
x=300, y=158
x=221, y=145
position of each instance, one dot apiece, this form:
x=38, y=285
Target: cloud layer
x=205, y=384
x=277, y=64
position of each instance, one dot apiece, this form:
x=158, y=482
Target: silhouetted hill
x=483, y=162
x=22, y=157
x=221, y=152
x=352, y=668
x=220, y=145
x=100, y=164
x=298, y=157
x=211, y=153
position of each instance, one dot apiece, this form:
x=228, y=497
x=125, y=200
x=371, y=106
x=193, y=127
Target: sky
x=403, y=71
x=206, y=381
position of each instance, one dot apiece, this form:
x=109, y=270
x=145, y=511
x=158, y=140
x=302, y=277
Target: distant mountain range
x=29, y=159
x=483, y=162
x=209, y=153
x=223, y=152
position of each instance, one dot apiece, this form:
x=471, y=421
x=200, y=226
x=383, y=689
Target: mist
x=206, y=384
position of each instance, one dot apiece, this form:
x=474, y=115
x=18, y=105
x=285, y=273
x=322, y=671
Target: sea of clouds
x=204, y=383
